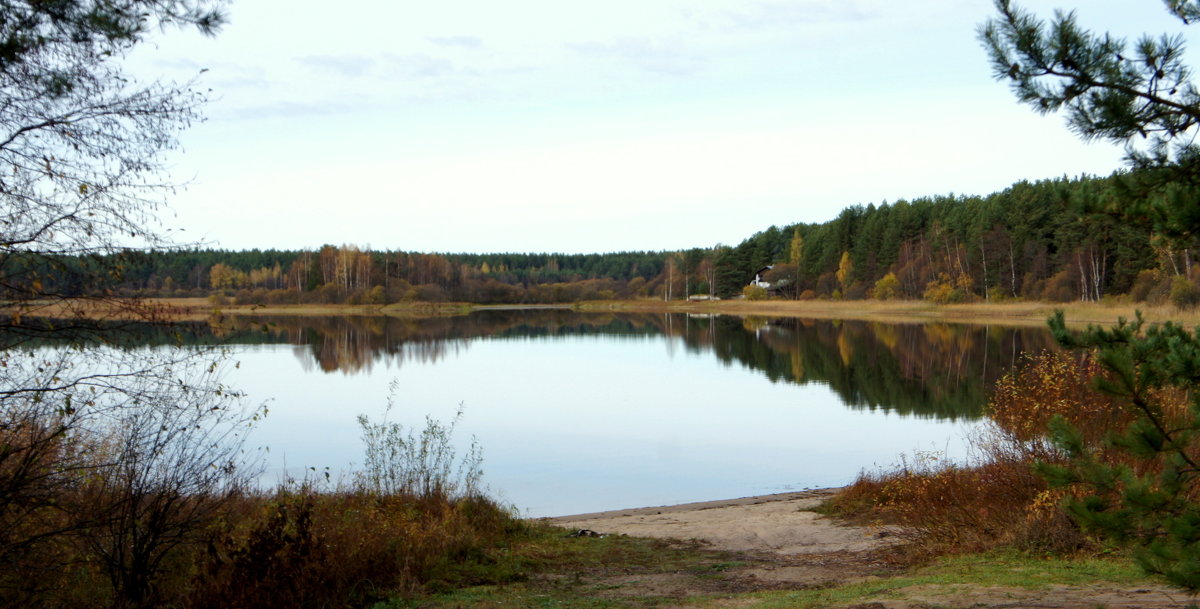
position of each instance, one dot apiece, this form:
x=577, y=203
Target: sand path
x=782, y=524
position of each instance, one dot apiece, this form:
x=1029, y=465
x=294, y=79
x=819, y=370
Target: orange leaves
x=1052, y=384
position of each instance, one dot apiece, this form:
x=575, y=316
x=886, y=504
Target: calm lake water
x=586, y=412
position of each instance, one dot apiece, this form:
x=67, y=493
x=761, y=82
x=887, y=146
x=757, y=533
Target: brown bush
x=999, y=500
x=1063, y=286
x=70, y=526
x=1049, y=384
x=302, y=548
x=947, y=508
x=1146, y=281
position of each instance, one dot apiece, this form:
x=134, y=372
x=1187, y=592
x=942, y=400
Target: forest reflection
x=936, y=370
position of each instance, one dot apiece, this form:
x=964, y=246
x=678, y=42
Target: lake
x=584, y=412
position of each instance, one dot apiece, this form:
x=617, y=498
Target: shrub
x=887, y=288
x=1160, y=292
x=304, y=547
x=999, y=500
x=413, y=522
x=1052, y=384
x=1184, y=293
x=1145, y=281
x=1063, y=286
x=754, y=292
x=859, y=290
x=279, y=297
x=400, y=461
x=428, y=292
x=946, y=289
x=948, y=508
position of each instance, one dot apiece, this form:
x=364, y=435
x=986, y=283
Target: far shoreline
x=694, y=506
x=1015, y=313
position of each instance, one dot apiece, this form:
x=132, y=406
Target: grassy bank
x=620, y=572
x=121, y=517
x=995, y=579
x=1006, y=313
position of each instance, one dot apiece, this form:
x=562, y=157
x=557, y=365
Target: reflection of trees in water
x=354, y=344
x=935, y=370
x=938, y=370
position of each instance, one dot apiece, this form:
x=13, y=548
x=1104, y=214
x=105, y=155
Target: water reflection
x=941, y=371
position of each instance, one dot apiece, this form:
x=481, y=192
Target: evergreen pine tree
x=1141, y=97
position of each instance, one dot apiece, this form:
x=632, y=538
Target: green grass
x=592, y=573
x=610, y=573
x=951, y=575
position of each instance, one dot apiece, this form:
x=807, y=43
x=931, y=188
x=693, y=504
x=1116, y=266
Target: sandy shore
x=781, y=524
x=792, y=547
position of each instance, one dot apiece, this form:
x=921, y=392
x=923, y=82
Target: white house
x=758, y=277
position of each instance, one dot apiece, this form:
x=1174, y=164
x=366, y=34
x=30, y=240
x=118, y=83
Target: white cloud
x=469, y=42
x=349, y=66
x=665, y=57
x=538, y=124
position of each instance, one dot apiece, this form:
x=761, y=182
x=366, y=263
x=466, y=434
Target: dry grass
x=296, y=547
x=1006, y=313
x=81, y=528
x=200, y=309
x=346, y=549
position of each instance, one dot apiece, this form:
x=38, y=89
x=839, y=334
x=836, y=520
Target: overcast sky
x=549, y=125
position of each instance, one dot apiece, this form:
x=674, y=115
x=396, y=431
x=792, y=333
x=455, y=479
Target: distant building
x=758, y=277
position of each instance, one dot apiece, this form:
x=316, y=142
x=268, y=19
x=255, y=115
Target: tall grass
x=997, y=500
x=421, y=463
x=302, y=547
x=413, y=520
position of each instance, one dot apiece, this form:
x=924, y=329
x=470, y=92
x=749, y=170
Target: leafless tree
x=149, y=437
x=128, y=451
x=163, y=472
x=82, y=176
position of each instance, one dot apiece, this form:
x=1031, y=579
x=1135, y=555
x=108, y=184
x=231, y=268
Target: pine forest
x=1050, y=240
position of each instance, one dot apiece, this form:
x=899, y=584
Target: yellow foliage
x=845, y=269
x=754, y=292
x=946, y=289
x=887, y=288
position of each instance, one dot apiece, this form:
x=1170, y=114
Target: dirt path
x=788, y=546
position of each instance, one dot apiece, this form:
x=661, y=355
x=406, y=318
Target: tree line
x=1046, y=240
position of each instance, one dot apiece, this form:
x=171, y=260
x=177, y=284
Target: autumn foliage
x=80, y=532
x=998, y=499
x=304, y=548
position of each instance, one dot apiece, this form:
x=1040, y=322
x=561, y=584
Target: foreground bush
x=413, y=522
x=999, y=500
x=141, y=514
x=301, y=548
